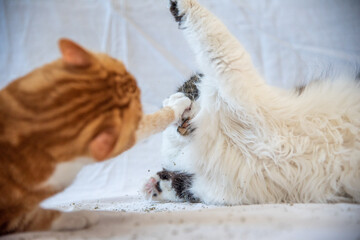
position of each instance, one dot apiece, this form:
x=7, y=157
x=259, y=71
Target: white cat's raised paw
x=75, y=221
x=178, y=8
x=179, y=103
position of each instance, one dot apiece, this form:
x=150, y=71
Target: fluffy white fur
x=254, y=143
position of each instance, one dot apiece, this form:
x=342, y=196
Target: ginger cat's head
x=83, y=104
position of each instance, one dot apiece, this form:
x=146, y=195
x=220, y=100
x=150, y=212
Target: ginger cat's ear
x=103, y=144
x=74, y=55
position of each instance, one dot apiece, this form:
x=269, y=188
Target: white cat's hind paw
x=156, y=189
x=75, y=221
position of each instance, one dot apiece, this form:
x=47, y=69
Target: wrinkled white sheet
x=255, y=222
x=291, y=42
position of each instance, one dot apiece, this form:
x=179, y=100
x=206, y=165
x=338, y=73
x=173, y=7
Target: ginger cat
x=79, y=109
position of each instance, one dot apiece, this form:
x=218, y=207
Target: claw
x=185, y=123
x=184, y=129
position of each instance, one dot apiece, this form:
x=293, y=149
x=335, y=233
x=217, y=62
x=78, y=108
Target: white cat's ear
x=103, y=144
x=73, y=54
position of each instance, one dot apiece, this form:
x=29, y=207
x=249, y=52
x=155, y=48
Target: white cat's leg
x=75, y=220
x=174, y=143
x=218, y=53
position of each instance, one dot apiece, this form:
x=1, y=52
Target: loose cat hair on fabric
x=77, y=110
x=252, y=143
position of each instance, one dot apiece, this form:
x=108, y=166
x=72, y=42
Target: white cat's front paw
x=179, y=103
x=75, y=221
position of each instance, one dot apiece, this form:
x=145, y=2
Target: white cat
x=253, y=143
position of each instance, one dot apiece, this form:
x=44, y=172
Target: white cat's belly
x=233, y=165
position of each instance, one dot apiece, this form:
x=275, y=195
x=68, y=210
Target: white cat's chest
x=66, y=172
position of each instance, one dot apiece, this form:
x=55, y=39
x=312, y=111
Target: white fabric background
x=291, y=42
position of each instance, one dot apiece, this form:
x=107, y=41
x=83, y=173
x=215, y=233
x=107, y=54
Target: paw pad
x=151, y=189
